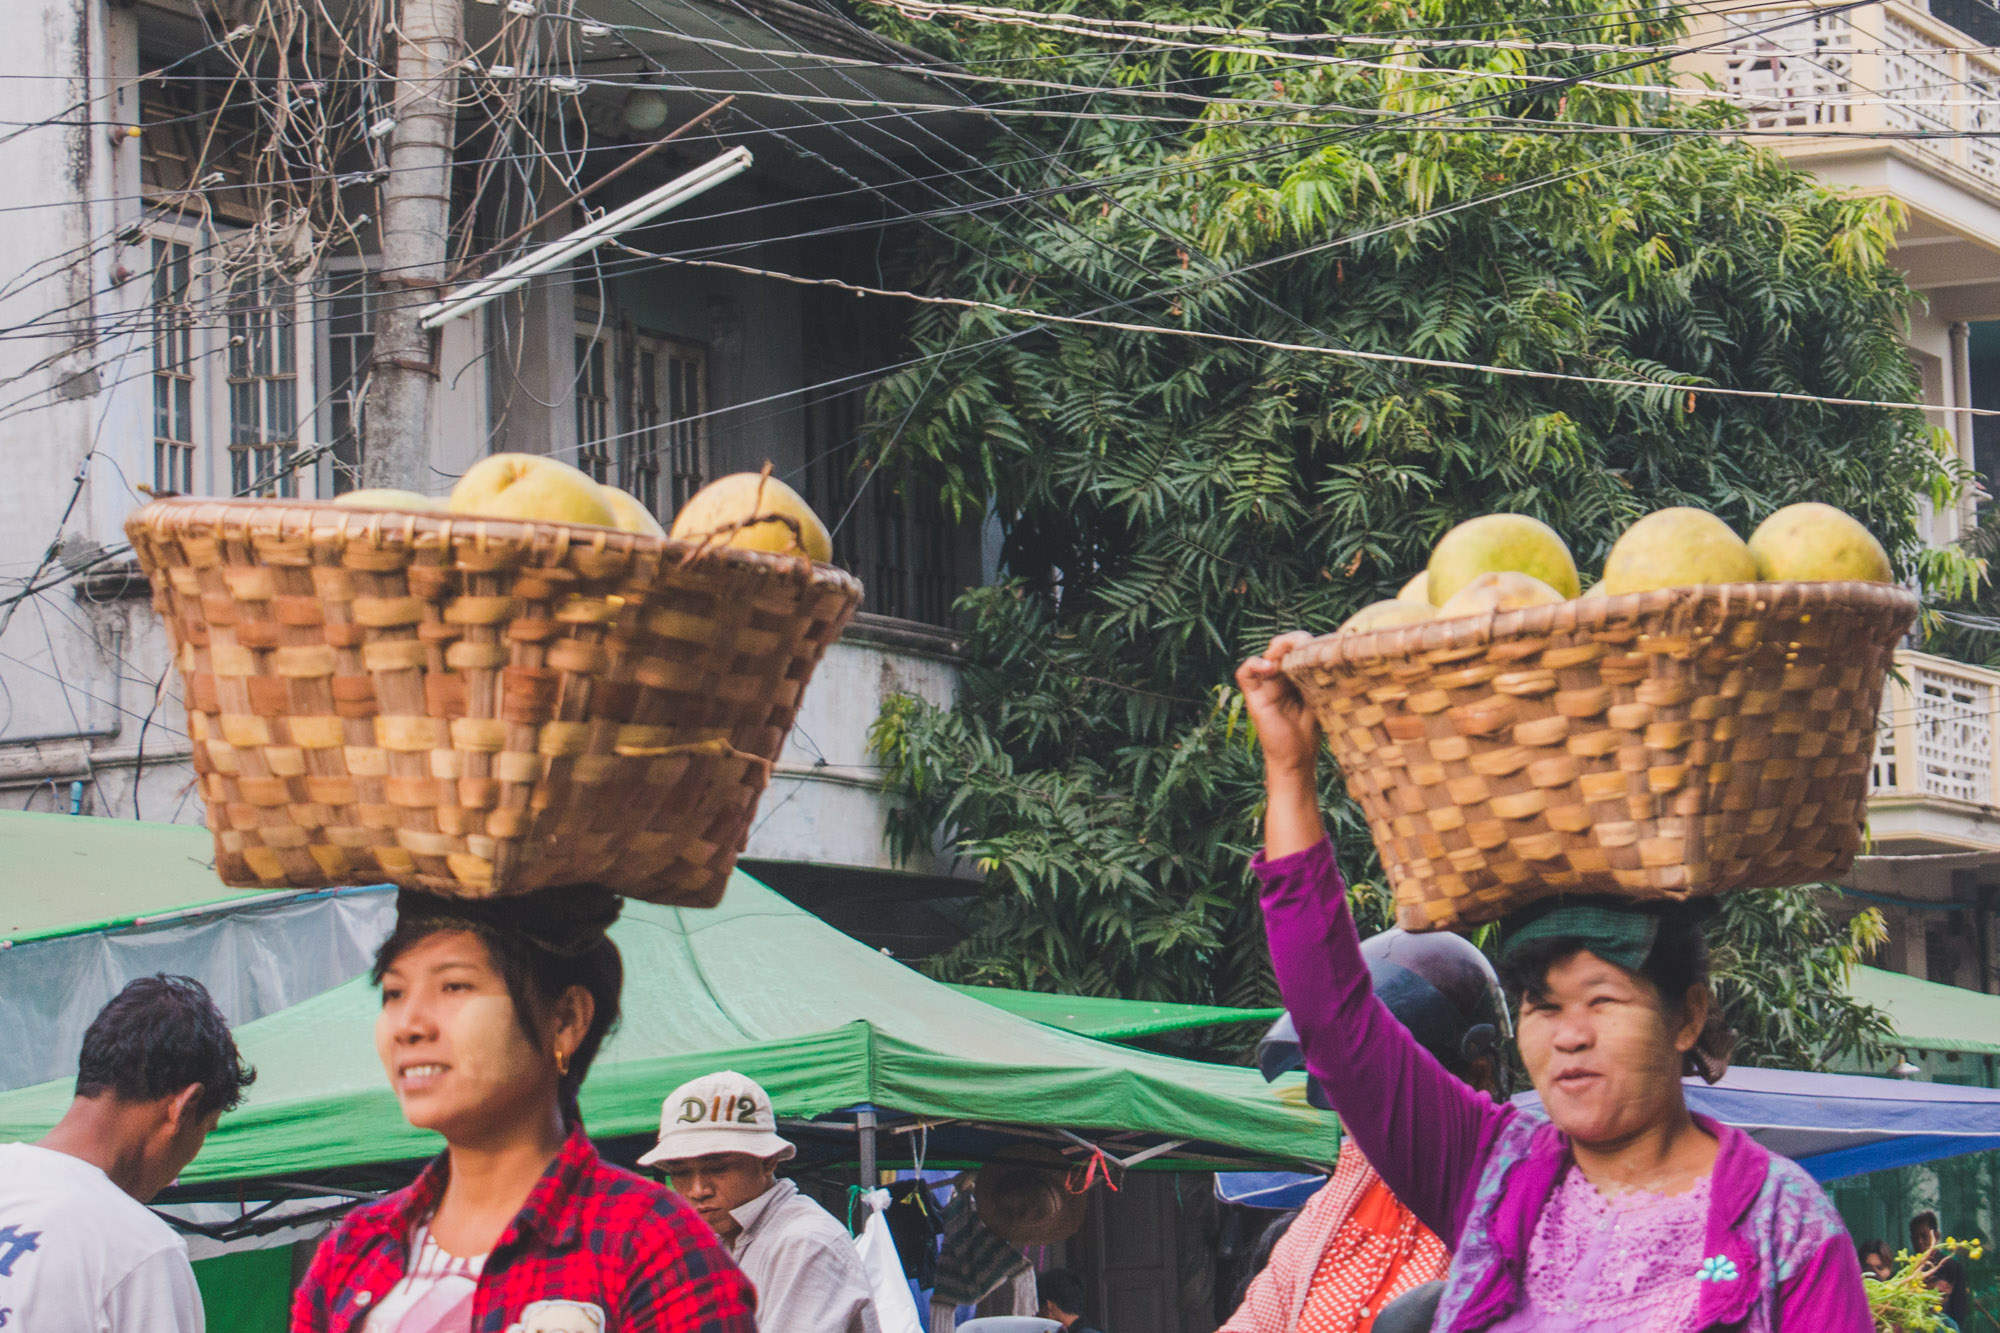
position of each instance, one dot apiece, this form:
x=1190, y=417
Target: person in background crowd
x=1620, y=1211
x=79, y=1253
x=719, y=1146
x=492, y=1011
x=1948, y=1277
x=1062, y=1299
x=1355, y=1248
x=1877, y=1260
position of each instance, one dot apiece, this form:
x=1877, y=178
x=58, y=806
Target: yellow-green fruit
x=1677, y=548
x=1818, y=543
x=631, y=516
x=1504, y=591
x=1495, y=544
x=1594, y=590
x=1387, y=615
x=1417, y=590
x=533, y=487
x=754, y=512
x=383, y=497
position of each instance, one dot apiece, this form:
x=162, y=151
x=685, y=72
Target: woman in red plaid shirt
x=492, y=1011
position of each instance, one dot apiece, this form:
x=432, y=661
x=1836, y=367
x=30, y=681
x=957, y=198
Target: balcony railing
x=1938, y=737
x=1885, y=67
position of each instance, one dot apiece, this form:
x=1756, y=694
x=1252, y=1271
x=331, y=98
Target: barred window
x=173, y=369
x=593, y=407
x=665, y=460
x=893, y=532
x=350, y=341
x=263, y=387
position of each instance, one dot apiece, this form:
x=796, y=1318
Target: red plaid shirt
x=589, y=1233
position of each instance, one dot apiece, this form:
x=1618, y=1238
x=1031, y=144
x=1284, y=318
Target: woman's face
x=454, y=1049
x=1603, y=1051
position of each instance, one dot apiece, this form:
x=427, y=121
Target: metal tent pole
x=864, y=1121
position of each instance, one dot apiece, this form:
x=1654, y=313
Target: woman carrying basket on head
x=492, y=1011
x=1622, y=1211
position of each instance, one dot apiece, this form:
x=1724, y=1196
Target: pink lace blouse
x=1622, y=1265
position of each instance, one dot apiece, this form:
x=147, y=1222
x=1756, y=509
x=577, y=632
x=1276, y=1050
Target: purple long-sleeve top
x=1775, y=1257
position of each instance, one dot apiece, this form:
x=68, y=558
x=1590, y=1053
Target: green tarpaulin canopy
x=1931, y=1017
x=760, y=986
x=67, y=873
x=1113, y=1019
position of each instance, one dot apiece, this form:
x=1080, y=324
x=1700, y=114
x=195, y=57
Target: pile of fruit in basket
x=751, y=511
x=1507, y=562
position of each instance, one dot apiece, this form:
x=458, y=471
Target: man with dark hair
x=1061, y=1294
x=1947, y=1276
x=78, y=1251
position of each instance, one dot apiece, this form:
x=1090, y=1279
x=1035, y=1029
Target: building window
x=665, y=459
x=173, y=370
x=350, y=341
x=263, y=387
x=593, y=407
x=892, y=532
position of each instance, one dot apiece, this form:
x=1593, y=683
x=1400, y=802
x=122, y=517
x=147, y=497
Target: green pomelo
x=1498, y=544
x=1505, y=591
x=1816, y=543
x=1677, y=548
x=1386, y=615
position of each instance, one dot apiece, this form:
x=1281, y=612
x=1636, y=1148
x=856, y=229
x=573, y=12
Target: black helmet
x=1437, y=984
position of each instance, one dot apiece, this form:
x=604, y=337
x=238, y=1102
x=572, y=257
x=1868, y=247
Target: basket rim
x=232, y=518
x=1894, y=604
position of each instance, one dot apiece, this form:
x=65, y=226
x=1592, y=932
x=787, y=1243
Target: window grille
x=665, y=459
x=593, y=407
x=263, y=387
x=891, y=531
x=350, y=341
x=173, y=369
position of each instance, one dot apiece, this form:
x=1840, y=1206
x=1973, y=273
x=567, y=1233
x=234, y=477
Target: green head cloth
x=1617, y=930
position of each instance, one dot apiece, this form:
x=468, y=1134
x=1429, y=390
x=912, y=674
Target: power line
x=1343, y=353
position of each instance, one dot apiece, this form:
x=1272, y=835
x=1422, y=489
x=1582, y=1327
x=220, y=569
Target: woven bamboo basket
x=475, y=706
x=1658, y=745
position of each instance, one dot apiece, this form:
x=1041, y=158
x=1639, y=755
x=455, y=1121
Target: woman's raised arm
x=1426, y=1132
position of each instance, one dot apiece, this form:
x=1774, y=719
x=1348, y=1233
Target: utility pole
x=416, y=221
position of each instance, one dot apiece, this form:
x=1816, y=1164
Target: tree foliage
x=1168, y=503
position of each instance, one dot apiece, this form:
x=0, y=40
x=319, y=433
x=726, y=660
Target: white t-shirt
x=80, y=1255
x=434, y=1294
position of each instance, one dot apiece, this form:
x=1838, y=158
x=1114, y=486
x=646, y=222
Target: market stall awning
x=71, y=872
x=89, y=904
x=1932, y=1017
x=1113, y=1019
x=824, y=1022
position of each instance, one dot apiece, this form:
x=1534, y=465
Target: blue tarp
x=1834, y=1125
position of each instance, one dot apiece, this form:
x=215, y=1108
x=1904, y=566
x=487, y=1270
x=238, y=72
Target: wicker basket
x=1658, y=745
x=479, y=707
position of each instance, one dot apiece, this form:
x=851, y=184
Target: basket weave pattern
x=474, y=706
x=1658, y=745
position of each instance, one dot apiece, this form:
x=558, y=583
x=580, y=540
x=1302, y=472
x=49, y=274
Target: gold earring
x=562, y=1063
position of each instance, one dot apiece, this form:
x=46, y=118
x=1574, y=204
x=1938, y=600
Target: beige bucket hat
x=717, y=1113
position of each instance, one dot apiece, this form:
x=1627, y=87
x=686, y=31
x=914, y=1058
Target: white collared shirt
x=808, y=1276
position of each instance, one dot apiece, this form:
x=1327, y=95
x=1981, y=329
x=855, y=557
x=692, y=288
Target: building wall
x=87, y=693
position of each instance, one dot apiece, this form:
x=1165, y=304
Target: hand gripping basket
x=477, y=706
x=1657, y=745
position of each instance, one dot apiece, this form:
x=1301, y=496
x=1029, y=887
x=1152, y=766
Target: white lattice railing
x=1888, y=66
x=1937, y=734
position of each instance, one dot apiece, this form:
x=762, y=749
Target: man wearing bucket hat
x=719, y=1146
